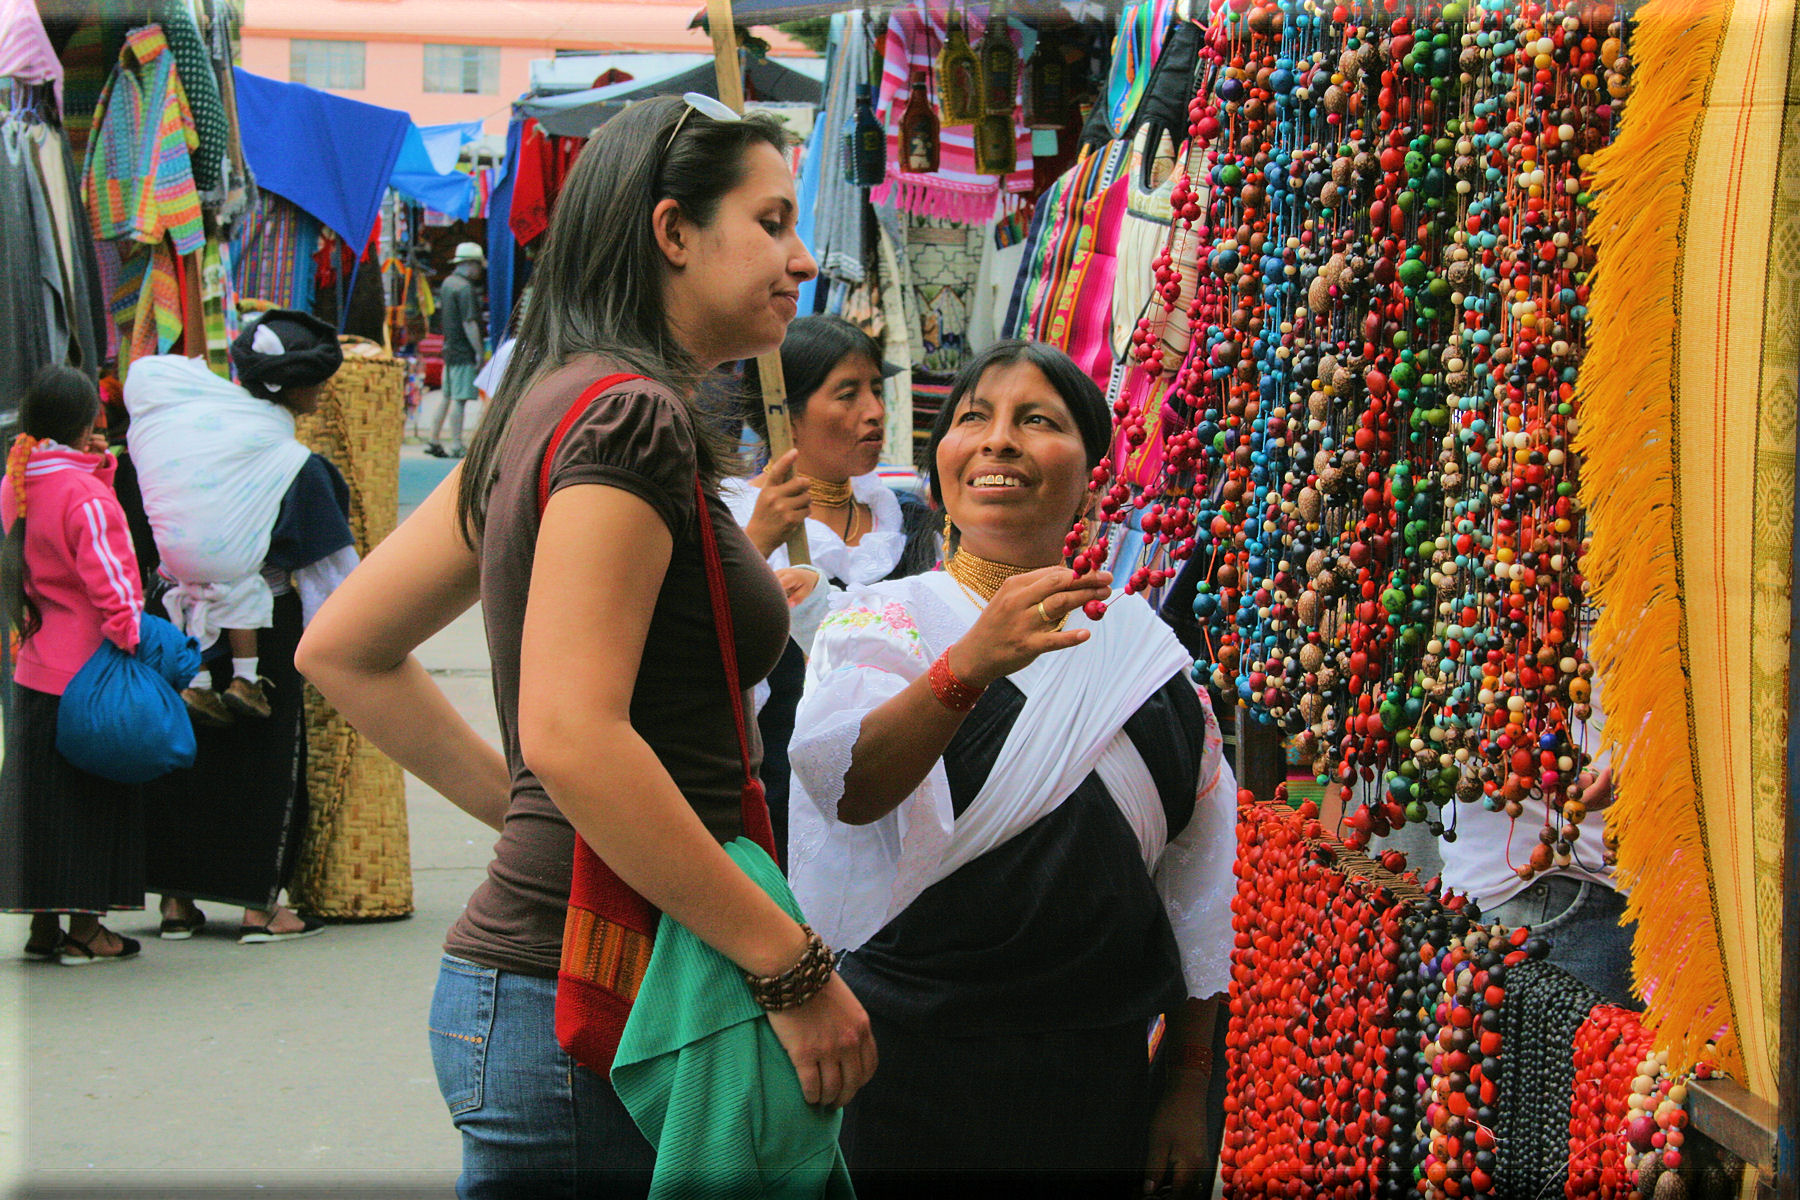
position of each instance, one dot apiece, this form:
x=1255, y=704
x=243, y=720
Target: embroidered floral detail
x=893, y=617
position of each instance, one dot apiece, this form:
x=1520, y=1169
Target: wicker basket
x=356, y=863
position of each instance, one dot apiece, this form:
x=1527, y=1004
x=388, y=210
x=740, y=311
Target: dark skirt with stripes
x=229, y=828
x=69, y=841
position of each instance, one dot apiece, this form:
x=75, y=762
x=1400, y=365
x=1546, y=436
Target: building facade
x=455, y=60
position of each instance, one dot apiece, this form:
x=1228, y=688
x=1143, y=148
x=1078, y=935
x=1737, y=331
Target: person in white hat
x=459, y=305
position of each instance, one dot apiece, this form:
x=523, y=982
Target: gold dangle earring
x=947, y=528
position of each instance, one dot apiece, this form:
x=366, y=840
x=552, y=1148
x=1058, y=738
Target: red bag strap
x=754, y=810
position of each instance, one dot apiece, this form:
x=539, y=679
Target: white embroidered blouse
x=852, y=879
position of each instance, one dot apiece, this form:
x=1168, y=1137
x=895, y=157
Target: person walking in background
x=1515, y=878
x=459, y=308
x=70, y=842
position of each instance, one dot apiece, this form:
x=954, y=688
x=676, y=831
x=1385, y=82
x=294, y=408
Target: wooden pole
x=768, y=366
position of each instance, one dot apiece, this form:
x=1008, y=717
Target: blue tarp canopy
x=336, y=157
x=426, y=169
x=331, y=156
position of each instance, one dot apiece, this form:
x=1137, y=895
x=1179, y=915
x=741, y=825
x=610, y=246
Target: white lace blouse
x=871, y=559
x=852, y=879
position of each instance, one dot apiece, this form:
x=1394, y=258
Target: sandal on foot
x=77, y=953
x=36, y=952
x=250, y=935
x=178, y=929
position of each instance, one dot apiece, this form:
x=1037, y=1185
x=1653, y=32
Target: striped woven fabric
x=272, y=250
x=138, y=179
x=956, y=190
x=1142, y=28
x=1687, y=404
x=604, y=952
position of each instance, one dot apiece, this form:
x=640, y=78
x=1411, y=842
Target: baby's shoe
x=248, y=697
x=205, y=706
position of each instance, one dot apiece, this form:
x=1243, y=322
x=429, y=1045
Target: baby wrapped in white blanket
x=213, y=463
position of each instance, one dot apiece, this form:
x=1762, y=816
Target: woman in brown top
x=672, y=251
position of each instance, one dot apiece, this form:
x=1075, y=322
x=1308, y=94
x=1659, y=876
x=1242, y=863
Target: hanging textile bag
x=609, y=930
x=122, y=717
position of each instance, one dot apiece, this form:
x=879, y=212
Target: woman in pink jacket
x=70, y=842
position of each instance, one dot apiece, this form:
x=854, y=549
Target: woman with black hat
x=858, y=530
x=252, y=529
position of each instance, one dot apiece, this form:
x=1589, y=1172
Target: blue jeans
x=534, y=1123
x=1580, y=919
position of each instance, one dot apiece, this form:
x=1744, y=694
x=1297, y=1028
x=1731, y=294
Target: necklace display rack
x=1369, y=315
x=1383, y=1042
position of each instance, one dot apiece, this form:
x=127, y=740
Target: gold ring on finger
x=1044, y=613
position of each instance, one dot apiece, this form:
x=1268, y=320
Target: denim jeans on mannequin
x=535, y=1124
x=1580, y=918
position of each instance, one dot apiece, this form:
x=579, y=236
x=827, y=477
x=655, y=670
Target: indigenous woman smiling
x=1018, y=823
x=672, y=250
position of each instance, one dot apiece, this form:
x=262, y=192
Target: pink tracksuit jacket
x=79, y=565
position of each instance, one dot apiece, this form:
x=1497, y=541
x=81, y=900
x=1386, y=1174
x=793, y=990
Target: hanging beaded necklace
x=828, y=495
x=980, y=578
x=1375, y=287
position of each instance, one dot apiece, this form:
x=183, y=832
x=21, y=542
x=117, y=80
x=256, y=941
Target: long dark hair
x=813, y=348
x=597, y=288
x=1087, y=403
x=60, y=405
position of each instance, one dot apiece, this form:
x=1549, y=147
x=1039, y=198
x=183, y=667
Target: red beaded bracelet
x=950, y=691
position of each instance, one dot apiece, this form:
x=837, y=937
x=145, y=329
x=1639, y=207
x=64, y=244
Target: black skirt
x=1027, y=1115
x=69, y=841
x=229, y=828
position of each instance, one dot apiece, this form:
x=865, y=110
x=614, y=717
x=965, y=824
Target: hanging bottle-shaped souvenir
x=865, y=145
x=996, y=148
x=999, y=66
x=959, y=76
x=1047, y=85
x=996, y=145
x=919, y=131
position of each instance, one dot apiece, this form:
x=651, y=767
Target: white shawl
x=851, y=880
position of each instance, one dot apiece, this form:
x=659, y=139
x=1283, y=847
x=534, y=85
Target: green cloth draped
x=701, y=1071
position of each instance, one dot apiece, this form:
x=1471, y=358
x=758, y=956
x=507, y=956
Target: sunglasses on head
x=697, y=102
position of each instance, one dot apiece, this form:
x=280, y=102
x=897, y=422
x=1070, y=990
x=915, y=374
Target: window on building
x=326, y=64
x=472, y=70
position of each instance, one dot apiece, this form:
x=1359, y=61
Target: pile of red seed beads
x=1608, y=1049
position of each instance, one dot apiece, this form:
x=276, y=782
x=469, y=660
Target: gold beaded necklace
x=980, y=578
x=830, y=495
x=826, y=494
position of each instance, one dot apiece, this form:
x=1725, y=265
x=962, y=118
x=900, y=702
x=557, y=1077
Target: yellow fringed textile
x=1687, y=436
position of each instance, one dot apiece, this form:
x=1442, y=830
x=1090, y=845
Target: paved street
x=209, y=1068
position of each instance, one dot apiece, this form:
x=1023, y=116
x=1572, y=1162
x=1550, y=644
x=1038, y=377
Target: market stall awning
x=586, y=72
x=336, y=157
x=331, y=156
x=576, y=114
x=426, y=169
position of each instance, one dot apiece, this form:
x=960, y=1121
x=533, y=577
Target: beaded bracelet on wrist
x=950, y=691
x=800, y=982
